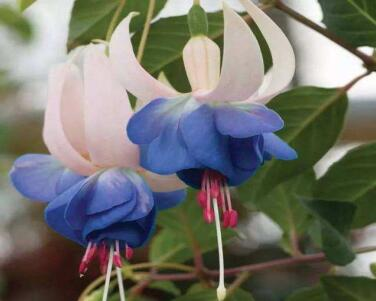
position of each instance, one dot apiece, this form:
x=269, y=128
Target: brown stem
x=369, y=61
x=258, y=267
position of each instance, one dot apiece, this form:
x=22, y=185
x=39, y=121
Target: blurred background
x=35, y=263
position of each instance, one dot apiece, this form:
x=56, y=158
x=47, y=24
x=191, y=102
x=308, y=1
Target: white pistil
x=108, y=274
x=221, y=290
x=119, y=274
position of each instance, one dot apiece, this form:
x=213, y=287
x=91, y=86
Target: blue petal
x=75, y=213
x=139, y=206
x=276, y=147
x=239, y=123
x=55, y=211
x=35, y=176
x=145, y=201
x=112, y=189
x=134, y=233
x=68, y=179
x=168, y=152
x=146, y=124
x=167, y=200
x=204, y=142
x=247, y=153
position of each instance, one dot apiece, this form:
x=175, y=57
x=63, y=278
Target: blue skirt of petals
x=185, y=137
x=114, y=204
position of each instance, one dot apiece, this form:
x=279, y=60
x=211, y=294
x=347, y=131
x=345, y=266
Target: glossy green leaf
x=314, y=119
x=353, y=179
x=284, y=207
x=352, y=20
x=15, y=21
x=342, y=288
x=316, y=293
x=166, y=286
x=183, y=228
x=91, y=18
x=335, y=219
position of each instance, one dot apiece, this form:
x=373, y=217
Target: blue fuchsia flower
x=219, y=134
x=96, y=192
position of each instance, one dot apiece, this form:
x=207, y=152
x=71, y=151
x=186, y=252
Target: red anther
x=128, y=252
x=226, y=219
x=83, y=268
x=117, y=260
x=201, y=198
x=208, y=215
x=233, y=218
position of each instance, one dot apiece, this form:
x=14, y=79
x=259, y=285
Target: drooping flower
x=219, y=134
x=96, y=192
x=222, y=132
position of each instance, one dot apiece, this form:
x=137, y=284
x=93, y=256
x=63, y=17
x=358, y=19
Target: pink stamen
x=86, y=260
x=208, y=215
x=228, y=197
x=103, y=257
x=226, y=219
x=117, y=257
x=128, y=252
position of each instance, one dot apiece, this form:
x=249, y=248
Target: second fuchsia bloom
x=96, y=191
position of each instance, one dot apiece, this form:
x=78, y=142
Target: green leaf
x=309, y=294
x=198, y=293
x=353, y=179
x=166, y=286
x=91, y=18
x=314, y=119
x=23, y=4
x=15, y=21
x=335, y=219
x=183, y=228
x=352, y=20
x=342, y=288
x=284, y=207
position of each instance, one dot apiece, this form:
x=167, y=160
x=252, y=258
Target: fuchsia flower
x=219, y=134
x=97, y=194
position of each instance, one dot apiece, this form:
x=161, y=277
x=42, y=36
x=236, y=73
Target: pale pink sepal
x=283, y=56
x=242, y=68
x=72, y=110
x=107, y=112
x=160, y=183
x=54, y=135
x=202, y=61
x=132, y=75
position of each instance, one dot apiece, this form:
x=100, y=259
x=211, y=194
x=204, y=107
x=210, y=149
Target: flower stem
x=115, y=19
x=161, y=265
x=369, y=61
x=145, y=33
